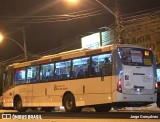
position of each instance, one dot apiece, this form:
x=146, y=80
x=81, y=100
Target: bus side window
x=66, y=70
x=80, y=73
x=20, y=76
x=32, y=74
x=8, y=80
x=107, y=67
x=80, y=67
x=57, y=74
x=62, y=71
x=46, y=72
x=101, y=65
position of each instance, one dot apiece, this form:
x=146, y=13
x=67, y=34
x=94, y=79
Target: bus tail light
x=119, y=86
x=156, y=86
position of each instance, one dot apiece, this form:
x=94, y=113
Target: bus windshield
x=135, y=56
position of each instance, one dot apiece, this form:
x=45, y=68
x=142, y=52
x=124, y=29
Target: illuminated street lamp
x=22, y=47
x=1, y=37
x=72, y=1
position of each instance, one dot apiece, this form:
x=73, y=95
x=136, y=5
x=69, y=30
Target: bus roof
x=130, y=45
x=66, y=52
x=72, y=54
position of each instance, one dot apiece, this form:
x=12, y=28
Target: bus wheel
x=102, y=108
x=18, y=105
x=69, y=104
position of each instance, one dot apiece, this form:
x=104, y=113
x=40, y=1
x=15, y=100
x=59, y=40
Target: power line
x=54, y=18
x=142, y=16
x=142, y=12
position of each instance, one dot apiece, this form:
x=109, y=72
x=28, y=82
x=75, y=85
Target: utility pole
x=119, y=27
x=24, y=43
x=116, y=14
x=25, y=46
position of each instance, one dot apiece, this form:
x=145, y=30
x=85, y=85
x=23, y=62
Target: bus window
x=135, y=56
x=32, y=74
x=8, y=80
x=101, y=63
x=20, y=76
x=46, y=73
x=80, y=67
x=62, y=70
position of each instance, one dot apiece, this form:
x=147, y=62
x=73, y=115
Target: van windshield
x=135, y=56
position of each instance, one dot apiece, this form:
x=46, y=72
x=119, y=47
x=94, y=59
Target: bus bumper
x=136, y=98
x=125, y=100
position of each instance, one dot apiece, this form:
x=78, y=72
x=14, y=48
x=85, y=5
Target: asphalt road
x=121, y=114
x=149, y=113
x=85, y=115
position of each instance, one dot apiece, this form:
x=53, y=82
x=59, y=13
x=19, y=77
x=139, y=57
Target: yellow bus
x=114, y=75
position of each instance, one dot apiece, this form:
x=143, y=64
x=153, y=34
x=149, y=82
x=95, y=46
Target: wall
x=145, y=32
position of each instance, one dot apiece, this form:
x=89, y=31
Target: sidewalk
x=150, y=108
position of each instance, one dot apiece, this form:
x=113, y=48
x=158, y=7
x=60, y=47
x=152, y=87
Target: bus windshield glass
x=135, y=56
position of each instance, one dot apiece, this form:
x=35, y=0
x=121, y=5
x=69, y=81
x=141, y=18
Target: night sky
x=47, y=29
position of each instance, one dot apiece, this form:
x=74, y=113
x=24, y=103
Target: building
x=142, y=29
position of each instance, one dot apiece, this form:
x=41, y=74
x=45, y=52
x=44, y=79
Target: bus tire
x=69, y=104
x=103, y=108
x=18, y=105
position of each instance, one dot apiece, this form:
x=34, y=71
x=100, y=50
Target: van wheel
x=69, y=104
x=102, y=108
x=18, y=105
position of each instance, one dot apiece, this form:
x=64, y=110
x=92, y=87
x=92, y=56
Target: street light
x=1, y=37
x=22, y=47
x=117, y=17
x=72, y=1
